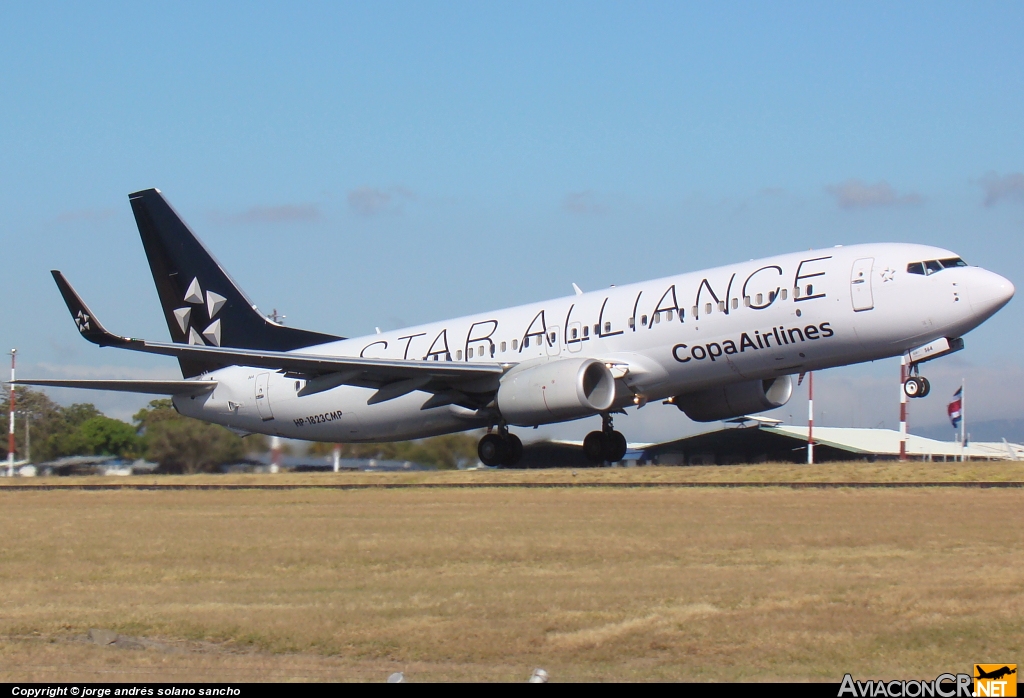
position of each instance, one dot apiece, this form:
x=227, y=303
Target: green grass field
x=487, y=584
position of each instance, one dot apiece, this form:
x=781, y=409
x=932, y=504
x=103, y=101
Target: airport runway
x=506, y=485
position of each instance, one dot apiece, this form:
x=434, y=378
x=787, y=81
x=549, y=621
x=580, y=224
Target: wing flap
x=357, y=370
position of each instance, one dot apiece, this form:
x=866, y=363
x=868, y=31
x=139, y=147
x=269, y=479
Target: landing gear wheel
x=594, y=446
x=514, y=451
x=615, y=447
x=926, y=386
x=492, y=450
x=501, y=449
x=913, y=387
x=604, y=447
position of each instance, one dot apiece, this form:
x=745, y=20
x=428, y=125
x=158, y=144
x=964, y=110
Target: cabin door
x=860, y=284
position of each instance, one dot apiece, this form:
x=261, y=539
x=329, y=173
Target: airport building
x=762, y=440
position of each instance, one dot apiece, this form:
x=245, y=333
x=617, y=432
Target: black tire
x=926, y=386
x=491, y=450
x=912, y=387
x=616, y=447
x=513, y=451
x=594, y=447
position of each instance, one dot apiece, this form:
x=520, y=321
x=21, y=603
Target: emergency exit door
x=263, y=397
x=553, y=341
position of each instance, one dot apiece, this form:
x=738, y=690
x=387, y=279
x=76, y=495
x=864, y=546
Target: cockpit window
x=934, y=265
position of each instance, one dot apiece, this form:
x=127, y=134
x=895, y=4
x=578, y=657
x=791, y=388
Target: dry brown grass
x=995, y=471
x=710, y=584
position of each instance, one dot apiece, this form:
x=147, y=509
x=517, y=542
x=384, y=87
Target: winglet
x=86, y=322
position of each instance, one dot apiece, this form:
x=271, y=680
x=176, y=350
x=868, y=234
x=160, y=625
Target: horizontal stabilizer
x=168, y=387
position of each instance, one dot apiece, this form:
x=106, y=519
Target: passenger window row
x=758, y=300
x=667, y=315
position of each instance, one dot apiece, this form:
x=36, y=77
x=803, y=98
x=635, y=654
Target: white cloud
x=369, y=201
x=853, y=193
x=583, y=203
x=998, y=188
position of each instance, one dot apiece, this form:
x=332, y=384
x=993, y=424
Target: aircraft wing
x=153, y=387
x=433, y=376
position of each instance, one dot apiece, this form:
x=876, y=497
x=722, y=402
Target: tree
x=52, y=425
x=191, y=446
x=101, y=436
x=158, y=411
x=45, y=415
x=444, y=452
x=185, y=445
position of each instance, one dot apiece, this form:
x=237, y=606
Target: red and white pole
x=810, y=418
x=275, y=454
x=10, y=423
x=903, y=408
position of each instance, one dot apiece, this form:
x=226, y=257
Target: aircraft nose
x=989, y=292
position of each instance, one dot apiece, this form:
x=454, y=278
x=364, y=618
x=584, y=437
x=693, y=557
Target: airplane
x=717, y=344
x=995, y=674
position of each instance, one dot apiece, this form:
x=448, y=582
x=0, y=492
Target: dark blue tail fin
x=202, y=305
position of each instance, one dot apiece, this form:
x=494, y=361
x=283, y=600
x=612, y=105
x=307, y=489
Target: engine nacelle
x=555, y=391
x=736, y=400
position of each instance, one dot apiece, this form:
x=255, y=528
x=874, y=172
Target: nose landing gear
x=916, y=385
x=500, y=449
x=605, y=446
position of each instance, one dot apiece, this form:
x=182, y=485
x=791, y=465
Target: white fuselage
x=755, y=320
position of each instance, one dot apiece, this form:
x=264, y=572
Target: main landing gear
x=916, y=385
x=605, y=446
x=500, y=449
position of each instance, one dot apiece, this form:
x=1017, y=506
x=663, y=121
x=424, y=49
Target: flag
x=955, y=408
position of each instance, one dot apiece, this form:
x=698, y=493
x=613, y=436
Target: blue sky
x=383, y=164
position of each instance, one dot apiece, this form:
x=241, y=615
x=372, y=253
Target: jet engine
x=555, y=391
x=736, y=400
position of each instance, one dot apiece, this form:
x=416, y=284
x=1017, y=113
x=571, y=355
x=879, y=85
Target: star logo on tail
x=213, y=303
x=82, y=320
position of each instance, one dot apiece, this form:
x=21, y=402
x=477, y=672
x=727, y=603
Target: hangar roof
x=887, y=442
